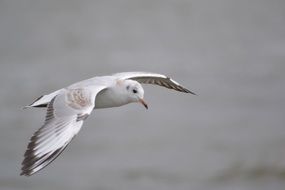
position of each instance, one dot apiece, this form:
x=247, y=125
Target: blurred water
x=231, y=53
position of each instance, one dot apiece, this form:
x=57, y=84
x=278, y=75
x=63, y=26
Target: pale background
x=231, y=53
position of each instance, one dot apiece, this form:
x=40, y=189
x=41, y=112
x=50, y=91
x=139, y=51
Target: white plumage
x=67, y=109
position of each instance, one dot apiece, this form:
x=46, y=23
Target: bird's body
x=68, y=107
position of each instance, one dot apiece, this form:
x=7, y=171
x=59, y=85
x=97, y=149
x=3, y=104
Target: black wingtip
x=23, y=173
x=185, y=90
x=192, y=93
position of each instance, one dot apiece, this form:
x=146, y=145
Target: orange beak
x=143, y=103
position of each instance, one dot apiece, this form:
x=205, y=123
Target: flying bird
x=68, y=107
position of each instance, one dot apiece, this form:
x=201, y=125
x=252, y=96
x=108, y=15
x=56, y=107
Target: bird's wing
x=153, y=78
x=65, y=115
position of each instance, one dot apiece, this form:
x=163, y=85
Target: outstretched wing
x=153, y=78
x=65, y=115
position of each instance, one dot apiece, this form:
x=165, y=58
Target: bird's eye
x=135, y=91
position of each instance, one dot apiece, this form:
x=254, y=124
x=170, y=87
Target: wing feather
x=155, y=79
x=65, y=115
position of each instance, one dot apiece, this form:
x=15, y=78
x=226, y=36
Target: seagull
x=69, y=107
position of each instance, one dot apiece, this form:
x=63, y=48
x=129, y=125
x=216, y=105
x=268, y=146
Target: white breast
x=111, y=97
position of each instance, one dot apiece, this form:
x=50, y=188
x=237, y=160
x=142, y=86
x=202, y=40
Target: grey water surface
x=230, y=52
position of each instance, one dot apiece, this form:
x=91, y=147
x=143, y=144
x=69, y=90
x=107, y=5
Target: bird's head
x=135, y=92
